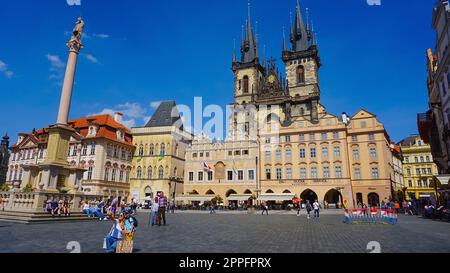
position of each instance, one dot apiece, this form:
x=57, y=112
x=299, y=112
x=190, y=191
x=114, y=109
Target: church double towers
x=261, y=83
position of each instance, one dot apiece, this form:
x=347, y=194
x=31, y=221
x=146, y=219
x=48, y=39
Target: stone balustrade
x=36, y=201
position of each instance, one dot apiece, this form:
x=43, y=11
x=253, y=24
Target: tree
x=28, y=188
x=4, y=187
x=217, y=200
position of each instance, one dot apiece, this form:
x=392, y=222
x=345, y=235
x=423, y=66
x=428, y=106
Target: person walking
x=308, y=209
x=162, y=202
x=212, y=208
x=316, y=207
x=154, y=212
x=265, y=209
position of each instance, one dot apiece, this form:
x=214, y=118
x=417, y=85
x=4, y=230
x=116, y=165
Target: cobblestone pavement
x=235, y=232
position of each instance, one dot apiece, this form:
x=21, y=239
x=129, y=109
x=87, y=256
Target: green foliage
x=28, y=188
x=217, y=200
x=4, y=187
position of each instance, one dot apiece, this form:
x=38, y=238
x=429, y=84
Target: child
x=154, y=214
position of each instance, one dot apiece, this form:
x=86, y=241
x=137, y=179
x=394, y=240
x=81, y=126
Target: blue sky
x=140, y=52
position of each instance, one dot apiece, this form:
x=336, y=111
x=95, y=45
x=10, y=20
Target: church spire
x=284, y=41
x=249, y=48
x=299, y=35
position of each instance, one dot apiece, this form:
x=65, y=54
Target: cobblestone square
x=235, y=233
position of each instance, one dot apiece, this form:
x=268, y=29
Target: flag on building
x=207, y=167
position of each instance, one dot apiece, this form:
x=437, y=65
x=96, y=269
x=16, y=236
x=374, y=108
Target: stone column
x=66, y=95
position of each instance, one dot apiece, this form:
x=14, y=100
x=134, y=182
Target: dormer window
x=92, y=131
x=120, y=135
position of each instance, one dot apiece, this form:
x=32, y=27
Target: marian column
x=74, y=48
x=56, y=172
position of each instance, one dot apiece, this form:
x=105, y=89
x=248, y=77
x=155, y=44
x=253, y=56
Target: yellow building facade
x=158, y=163
x=418, y=167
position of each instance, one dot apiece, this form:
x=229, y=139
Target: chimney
x=118, y=117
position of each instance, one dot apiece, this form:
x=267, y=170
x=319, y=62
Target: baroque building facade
x=158, y=163
x=418, y=168
x=303, y=151
x=100, y=145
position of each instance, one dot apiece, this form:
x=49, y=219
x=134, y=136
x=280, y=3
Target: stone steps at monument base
x=40, y=217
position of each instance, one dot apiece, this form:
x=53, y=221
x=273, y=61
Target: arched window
x=151, y=149
x=106, y=174
x=149, y=173
x=113, y=176
x=176, y=149
x=175, y=171
x=160, y=172
x=141, y=150
x=162, y=149
x=245, y=91
x=300, y=74
x=139, y=173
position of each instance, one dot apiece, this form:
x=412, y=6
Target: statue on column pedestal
x=78, y=30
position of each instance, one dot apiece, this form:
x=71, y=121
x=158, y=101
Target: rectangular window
x=325, y=152
x=303, y=174
x=210, y=176
x=354, y=138
x=312, y=137
x=337, y=151
x=355, y=153
x=314, y=172
x=267, y=140
x=200, y=176
x=416, y=159
x=267, y=155
x=301, y=137
x=371, y=136
x=251, y=175
x=326, y=172
x=90, y=170
x=289, y=173
x=425, y=183
x=313, y=152
x=191, y=176
x=74, y=151
x=418, y=171
x=288, y=154
x=237, y=152
x=268, y=174
x=408, y=171
x=302, y=153
x=230, y=175
x=410, y=183
x=338, y=172
x=279, y=173
x=373, y=152
x=230, y=153
x=121, y=176
x=288, y=139
x=240, y=175
x=429, y=171
x=424, y=170
x=244, y=152
x=357, y=173
x=207, y=154
x=419, y=183
x=324, y=136
x=194, y=155
x=428, y=158
x=278, y=155
x=407, y=159
x=335, y=135
x=93, y=149
x=375, y=174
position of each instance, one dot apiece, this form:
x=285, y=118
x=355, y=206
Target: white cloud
x=5, y=71
x=55, y=61
x=91, y=58
x=101, y=35
x=132, y=112
x=155, y=104
x=56, y=68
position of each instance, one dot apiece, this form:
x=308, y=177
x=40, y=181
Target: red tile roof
x=107, y=129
